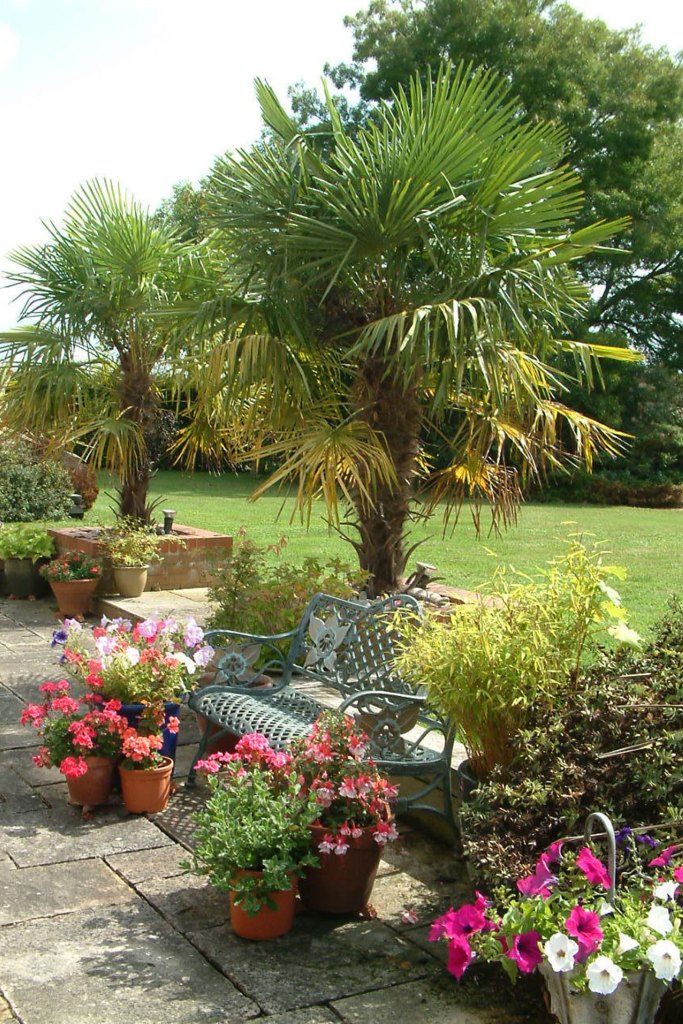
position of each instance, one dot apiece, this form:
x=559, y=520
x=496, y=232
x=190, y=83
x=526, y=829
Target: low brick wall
x=180, y=568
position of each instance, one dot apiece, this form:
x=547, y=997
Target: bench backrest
x=349, y=645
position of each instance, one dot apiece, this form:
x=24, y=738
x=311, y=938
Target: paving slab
x=319, y=960
x=424, y=1003
x=122, y=966
x=49, y=837
x=19, y=762
x=142, y=865
x=58, y=889
x=403, y=902
x=311, y=1015
x=187, y=902
x=5, y=1011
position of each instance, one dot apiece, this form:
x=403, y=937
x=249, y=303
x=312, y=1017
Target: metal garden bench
x=339, y=649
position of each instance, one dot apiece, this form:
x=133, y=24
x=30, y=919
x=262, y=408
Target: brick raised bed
x=180, y=567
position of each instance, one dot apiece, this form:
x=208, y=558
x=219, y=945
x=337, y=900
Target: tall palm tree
x=415, y=276
x=92, y=351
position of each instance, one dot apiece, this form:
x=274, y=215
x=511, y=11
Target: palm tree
x=92, y=351
x=414, y=276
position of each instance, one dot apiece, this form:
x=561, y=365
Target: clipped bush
x=31, y=489
x=256, y=594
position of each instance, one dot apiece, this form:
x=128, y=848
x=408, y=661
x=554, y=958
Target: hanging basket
x=636, y=998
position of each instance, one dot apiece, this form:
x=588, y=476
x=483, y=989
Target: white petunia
x=603, y=975
x=183, y=659
x=666, y=891
x=626, y=944
x=665, y=959
x=605, y=908
x=560, y=952
x=658, y=919
x=132, y=655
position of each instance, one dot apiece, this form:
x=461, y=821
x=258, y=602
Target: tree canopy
x=620, y=102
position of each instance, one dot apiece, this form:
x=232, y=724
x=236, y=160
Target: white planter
x=634, y=1001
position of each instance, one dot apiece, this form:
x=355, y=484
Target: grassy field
x=647, y=542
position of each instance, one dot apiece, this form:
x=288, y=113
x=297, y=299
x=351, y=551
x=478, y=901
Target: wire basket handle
x=602, y=819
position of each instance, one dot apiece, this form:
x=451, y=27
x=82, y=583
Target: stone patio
x=99, y=925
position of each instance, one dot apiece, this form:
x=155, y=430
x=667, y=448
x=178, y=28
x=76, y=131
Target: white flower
x=132, y=654
x=666, y=960
x=184, y=660
x=666, y=890
x=605, y=908
x=626, y=944
x=658, y=919
x=560, y=952
x=603, y=975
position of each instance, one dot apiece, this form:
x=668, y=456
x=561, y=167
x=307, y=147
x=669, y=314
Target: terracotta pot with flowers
x=145, y=772
x=607, y=952
x=73, y=578
x=146, y=666
x=354, y=821
x=131, y=546
x=82, y=737
x=253, y=836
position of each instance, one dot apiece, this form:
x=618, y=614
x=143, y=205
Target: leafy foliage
x=131, y=543
x=254, y=594
x=25, y=540
x=610, y=741
x=31, y=488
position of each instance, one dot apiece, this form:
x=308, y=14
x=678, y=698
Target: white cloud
x=9, y=44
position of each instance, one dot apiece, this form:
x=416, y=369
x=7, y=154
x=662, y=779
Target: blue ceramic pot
x=132, y=713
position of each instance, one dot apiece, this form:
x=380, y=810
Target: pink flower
x=554, y=852
x=385, y=832
x=61, y=687
x=467, y=920
x=526, y=951
x=173, y=724
x=42, y=758
x=594, y=870
x=460, y=956
x=66, y=705
x=678, y=874
x=33, y=714
x=584, y=925
x=538, y=884
x=664, y=858
x=73, y=767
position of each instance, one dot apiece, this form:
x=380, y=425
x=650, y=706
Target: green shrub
x=31, y=489
x=255, y=594
x=612, y=744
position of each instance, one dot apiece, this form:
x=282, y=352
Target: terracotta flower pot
x=343, y=883
x=74, y=596
x=93, y=788
x=146, y=790
x=267, y=923
x=130, y=580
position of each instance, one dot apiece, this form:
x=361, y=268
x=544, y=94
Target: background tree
x=386, y=279
x=621, y=103
x=93, y=354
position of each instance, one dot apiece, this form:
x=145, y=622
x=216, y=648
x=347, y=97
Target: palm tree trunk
x=138, y=404
x=393, y=410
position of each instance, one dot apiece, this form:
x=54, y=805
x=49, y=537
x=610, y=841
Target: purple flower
x=148, y=629
x=194, y=634
x=647, y=841
x=203, y=656
x=60, y=636
x=623, y=834
x=526, y=951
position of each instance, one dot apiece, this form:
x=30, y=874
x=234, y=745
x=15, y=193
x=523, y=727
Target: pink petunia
x=664, y=858
x=467, y=920
x=460, y=956
x=526, y=951
x=540, y=883
x=584, y=925
x=678, y=874
x=594, y=870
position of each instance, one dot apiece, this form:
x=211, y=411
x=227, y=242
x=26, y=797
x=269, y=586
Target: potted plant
x=82, y=737
x=253, y=836
x=607, y=952
x=145, y=771
x=354, y=820
x=130, y=546
x=486, y=665
x=73, y=578
x=22, y=546
x=145, y=666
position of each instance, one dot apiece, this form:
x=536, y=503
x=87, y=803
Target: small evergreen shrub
x=31, y=489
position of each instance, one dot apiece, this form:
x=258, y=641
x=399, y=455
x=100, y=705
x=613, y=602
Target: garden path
x=98, y=924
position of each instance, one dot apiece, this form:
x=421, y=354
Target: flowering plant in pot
x=602, y=948
x=354, y=821
x=73, y=577
x=253, y=836
x=81, y=736
x=145, y=771
x=147, y=666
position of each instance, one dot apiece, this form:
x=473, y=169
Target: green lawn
x=648, y=542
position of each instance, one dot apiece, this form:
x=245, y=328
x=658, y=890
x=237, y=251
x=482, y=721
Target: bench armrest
x=245, y=667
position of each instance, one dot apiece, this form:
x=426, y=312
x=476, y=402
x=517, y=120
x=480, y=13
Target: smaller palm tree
x=94, y=352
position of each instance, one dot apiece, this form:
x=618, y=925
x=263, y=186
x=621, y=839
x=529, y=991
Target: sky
x=148, y=92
